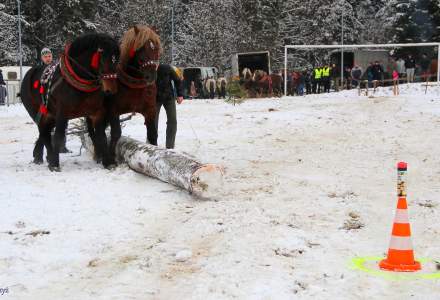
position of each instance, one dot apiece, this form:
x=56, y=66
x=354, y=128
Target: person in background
x=334, y=75
x=46, y=57
x=301, y=83
x=356, y=75
x=410, y=65
x=326, y=78
x=378, y=73
x=401, y=67
x=308, y=81
x=395, y=82
x=169, y=86
x=317, y=75
x=425, y=64
x=193, y=90
x=2, y=81
x=3, y=90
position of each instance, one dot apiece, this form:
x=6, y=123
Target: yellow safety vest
x=326, y=72
x=318, y=73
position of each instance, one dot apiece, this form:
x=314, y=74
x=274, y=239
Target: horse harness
x=46, y=84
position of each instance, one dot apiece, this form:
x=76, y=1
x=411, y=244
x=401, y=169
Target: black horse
x=84, y=77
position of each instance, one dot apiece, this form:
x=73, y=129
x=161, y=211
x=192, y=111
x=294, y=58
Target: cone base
x=385, y=265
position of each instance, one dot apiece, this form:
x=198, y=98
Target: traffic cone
x=400, y=253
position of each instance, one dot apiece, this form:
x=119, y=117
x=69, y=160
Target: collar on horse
x=130, y=81
x=72, y=78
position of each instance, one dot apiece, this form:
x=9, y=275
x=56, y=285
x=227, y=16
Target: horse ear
x=136, y=29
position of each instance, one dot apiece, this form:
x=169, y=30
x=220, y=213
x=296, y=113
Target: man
x=317, y=75
x=3, y=91
x=401, y=67
x=410, y=65
x=326, y=78
x=356, y=75
x=46, y=56
x=166, y=78
x=49, y=68
x=377, y=73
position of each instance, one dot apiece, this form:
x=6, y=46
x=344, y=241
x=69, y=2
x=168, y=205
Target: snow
x=297, y=170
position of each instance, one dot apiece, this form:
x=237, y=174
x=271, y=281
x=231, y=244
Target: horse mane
x=90, y=42
x=135, y=38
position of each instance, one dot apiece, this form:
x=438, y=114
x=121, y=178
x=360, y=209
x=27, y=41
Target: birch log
x=180, y=169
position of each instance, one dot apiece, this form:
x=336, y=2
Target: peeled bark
x=179, y=169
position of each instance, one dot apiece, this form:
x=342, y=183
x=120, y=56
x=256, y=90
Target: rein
x=84, y=85
x=130, y=81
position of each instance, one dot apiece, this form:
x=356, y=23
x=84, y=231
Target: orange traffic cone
x=401, y=254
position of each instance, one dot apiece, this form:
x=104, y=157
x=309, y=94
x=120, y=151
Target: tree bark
x=204, y=181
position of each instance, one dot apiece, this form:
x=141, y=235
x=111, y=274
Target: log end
x=207, y=181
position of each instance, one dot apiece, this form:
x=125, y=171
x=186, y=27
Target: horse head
x=140, y=51
x=95, y=56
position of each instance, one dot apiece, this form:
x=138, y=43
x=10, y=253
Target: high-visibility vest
x=318, y=73
x=326, y=72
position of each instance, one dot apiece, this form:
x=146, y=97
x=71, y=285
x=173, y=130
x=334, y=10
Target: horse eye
x=152, y=45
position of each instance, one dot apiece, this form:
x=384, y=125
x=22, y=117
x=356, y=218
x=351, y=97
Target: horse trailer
x=199, y=75
x=252, y=60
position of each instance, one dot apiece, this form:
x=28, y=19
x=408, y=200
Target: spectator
x=301, y=83
x=347, y=77
x=401, y=67
x=425, y=64
x=308, y=81
x=395, y=82
x=370, y=74
x=410, y=65
x=356, y=75
x=295, y=80
x=167, y=78
x=3, y=90
x=377, y=70
x=2, y=82
x=326, y=78
x=335, y=72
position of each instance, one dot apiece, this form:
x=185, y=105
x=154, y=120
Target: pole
x=438, y=64
x=285, y=71
x=20, y=50
x=172, y=32
x=342, y=49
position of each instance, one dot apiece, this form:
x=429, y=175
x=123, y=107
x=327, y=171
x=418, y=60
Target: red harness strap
x=72, y=78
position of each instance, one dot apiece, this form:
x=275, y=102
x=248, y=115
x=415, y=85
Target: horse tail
x=29, y=91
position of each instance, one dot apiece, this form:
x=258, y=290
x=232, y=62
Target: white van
x=11, y=75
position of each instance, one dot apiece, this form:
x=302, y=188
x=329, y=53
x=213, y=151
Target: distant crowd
x=322, y=79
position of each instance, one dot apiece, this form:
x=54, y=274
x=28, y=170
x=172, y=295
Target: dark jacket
x=377, y=72
x=410, y=63
x=2, y=82
x=165, y=76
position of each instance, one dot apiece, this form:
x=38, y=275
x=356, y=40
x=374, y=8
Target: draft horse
x=136, y=72
x=77, y=88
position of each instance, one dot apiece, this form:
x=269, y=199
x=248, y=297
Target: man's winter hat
x=45, y=51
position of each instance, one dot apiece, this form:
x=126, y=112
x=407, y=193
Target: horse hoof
x=110, y=166
x=54, y=169
x=38, y=161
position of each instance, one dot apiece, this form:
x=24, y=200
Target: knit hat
x=45, y=51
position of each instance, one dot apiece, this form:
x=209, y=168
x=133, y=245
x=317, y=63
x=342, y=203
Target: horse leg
x=59, y=136
x=115, y=133
x=38, y=150
x=101, y=143
x=92, y=135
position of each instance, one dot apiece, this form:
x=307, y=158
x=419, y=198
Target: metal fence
x=12, y=88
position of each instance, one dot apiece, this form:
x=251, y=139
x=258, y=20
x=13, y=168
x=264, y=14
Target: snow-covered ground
x=298, y=171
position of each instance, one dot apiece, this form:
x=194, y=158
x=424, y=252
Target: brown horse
x=86, y=72
x=137, y=72
x=263, y=83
